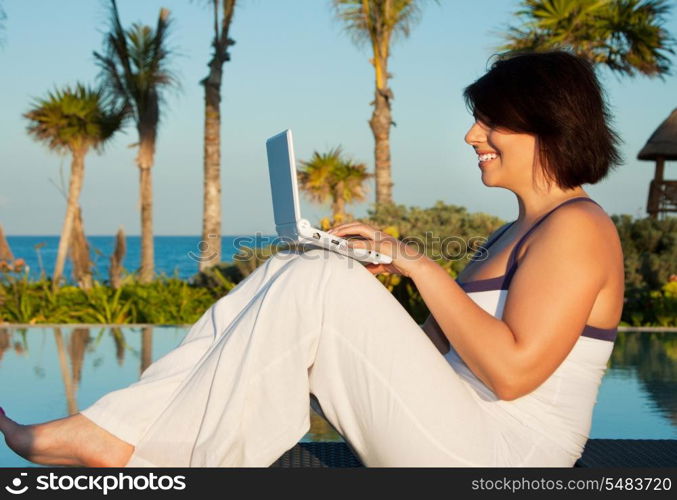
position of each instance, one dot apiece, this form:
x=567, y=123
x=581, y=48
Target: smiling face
x=556, y=98
x=507, y=159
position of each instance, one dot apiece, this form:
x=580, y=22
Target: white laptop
x=288, y=222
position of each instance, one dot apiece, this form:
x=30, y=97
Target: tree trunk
x=210, y=249
x=74, y=188
x=380, y=122
x=338, y=204
x=115, y=269
x=145, y=163
x=79, y=252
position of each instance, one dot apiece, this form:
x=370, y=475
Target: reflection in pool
x=48, y=373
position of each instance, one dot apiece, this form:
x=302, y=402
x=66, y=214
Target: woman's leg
x=104, y=433
x=322, y=325
x=121, y=413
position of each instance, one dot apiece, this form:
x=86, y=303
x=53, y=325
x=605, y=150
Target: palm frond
x=355, y=176
x=320, y=176
x=73, y=118
x=134, y=67
x=627, y=36
x=314, y=175
x=377, y=20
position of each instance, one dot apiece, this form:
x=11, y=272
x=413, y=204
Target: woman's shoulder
x=583, y=219
x=582, y=225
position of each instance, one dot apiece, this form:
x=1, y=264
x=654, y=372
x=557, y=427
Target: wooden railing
x=662, y=197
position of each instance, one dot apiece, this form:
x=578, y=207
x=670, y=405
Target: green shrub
x=650, y=261
x=168, y=301
x=449, y=233
x=164, y=301
x=649, y=250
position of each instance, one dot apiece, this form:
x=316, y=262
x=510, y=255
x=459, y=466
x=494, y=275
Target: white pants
x=235, y=392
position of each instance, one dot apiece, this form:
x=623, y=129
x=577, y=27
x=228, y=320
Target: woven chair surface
x=629, y=453
x=597, y=453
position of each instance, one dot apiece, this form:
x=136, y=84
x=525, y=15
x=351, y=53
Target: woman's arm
x=551, y=296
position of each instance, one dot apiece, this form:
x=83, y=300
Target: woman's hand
x=405, y=257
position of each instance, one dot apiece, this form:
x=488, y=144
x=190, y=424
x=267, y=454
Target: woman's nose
x=475, y=134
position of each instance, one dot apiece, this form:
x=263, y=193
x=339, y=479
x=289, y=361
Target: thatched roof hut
x=661, y=147
x=663, y=142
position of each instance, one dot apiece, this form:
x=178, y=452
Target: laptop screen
x=282, y=169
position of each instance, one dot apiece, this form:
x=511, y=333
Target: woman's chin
x=488, y=181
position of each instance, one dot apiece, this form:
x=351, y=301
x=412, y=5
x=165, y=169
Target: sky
x=292, y=66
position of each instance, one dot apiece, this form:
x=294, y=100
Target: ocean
x=174, y=255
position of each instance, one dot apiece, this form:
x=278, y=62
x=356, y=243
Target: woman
x=525, y=332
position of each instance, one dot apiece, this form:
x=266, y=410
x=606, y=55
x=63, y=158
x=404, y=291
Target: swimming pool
x=50, y=372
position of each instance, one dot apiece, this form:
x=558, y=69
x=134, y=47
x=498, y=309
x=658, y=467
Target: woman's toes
x=18, y=437
x=39, y=443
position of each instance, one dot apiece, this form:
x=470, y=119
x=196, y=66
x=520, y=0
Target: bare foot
x=74, y=440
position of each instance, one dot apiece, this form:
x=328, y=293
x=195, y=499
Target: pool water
x=48, y=373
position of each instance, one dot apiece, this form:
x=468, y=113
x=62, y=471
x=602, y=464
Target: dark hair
x=554, y=95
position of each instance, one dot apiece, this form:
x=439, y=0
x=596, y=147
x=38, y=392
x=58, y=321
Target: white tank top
x=560, y=409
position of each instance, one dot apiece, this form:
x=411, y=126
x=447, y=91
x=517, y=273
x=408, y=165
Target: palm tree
x=331, y=177
x=73, y=120
x=211, y=217
x=376, y=22
x=627, y=36
x=134, y=71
